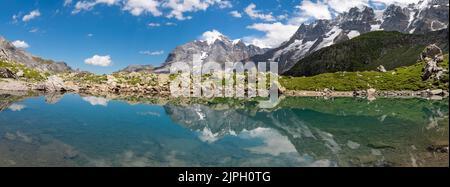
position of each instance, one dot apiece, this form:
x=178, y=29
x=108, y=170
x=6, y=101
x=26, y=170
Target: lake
x=74, y=130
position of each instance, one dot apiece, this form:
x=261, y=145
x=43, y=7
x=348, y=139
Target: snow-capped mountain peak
x=212, y=36
x=236, y=41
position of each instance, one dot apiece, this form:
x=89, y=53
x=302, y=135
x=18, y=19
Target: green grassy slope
x=28, y=73
x=402, y=78
x=367, y=52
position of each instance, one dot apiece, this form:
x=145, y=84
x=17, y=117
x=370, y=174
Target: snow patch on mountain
x=329, y=37
x=353, y=34
x=211, y=36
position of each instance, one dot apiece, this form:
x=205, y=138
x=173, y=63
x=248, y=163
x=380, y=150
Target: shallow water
x=73, y=130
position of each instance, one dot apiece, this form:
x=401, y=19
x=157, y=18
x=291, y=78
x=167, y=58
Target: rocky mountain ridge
x=10, y=53
x=137, y=68
x=217, y=49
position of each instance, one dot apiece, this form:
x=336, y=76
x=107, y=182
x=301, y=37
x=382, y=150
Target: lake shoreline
x=163, y=90
x=432, y=94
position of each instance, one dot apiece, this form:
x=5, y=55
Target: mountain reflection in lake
x=73, y=130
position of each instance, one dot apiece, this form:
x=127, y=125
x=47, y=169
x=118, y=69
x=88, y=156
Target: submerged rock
x=380, y=145
x=436, y=92
x=70, y=153
x=371, y=94
x=9, y=136
x=353, y=145
x=438, y=148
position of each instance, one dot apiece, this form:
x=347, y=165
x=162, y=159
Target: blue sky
x=145, y=31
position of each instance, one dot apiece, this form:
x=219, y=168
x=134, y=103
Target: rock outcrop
x=55, y=84
x=6, y=73
x=430, y=52
x=432, y=55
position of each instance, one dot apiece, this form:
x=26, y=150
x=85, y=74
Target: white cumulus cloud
x=34, y=30
x=20, y=44
x=397, y=2
x=33, y=14
x=343, y=6
x=152, y=53
x=326, y=9
x=98, y=60
x=179, y=7
x=275, y=34
x=256, y=14
x=154, y=24
x=316, y=10
x=89, y=4
x=236, y=14
x=138, y=7
x=67, y=2
x=171, y=8
x=170, y=24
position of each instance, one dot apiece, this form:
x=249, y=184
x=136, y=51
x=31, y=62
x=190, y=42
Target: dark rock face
x=359, y=20
x=423, y=17
x=9, y=52
x=396, y=18
x=430, y=15
x=221, y=50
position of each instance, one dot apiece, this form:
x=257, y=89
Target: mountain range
x=218, y=48
x=425, y=16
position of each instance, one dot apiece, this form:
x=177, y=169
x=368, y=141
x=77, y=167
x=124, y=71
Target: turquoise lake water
x=73, y=130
